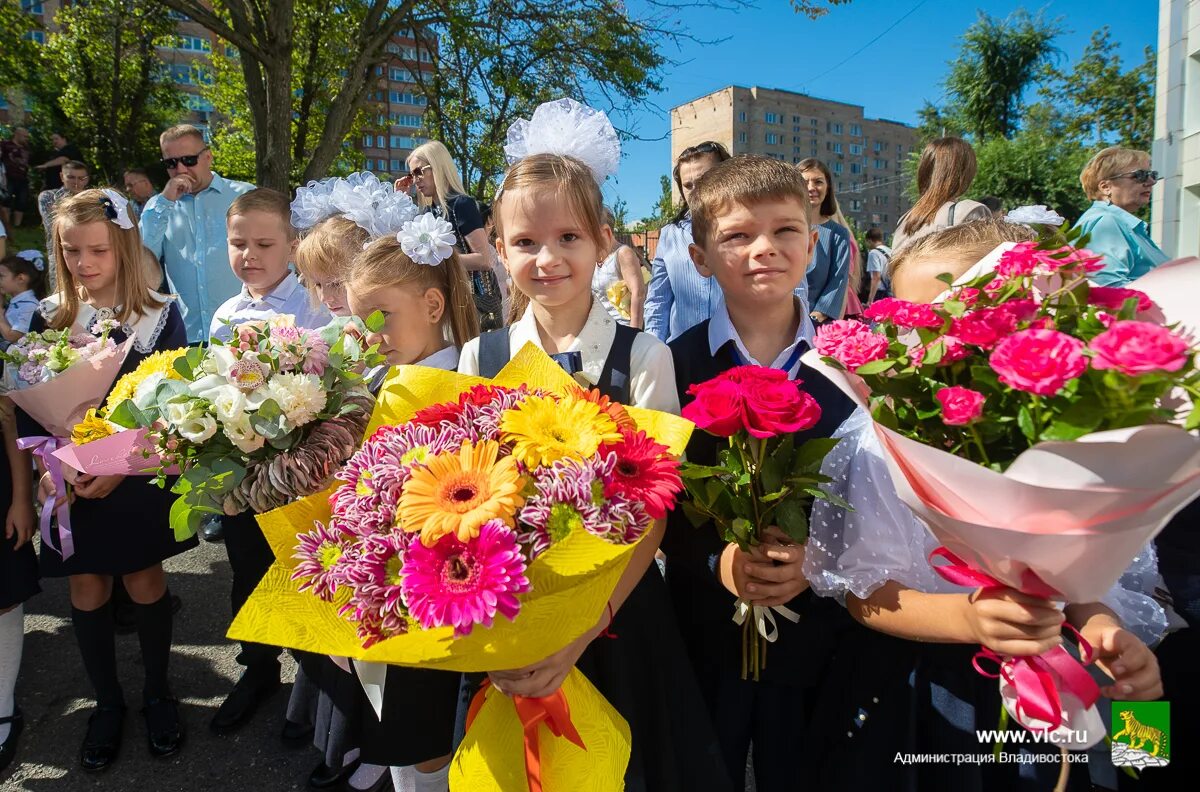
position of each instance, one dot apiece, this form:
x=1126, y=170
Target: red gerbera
x=435, y=414
x=644, y=473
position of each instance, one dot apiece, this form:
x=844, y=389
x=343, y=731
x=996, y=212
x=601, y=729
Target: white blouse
x=651, y=381
x=858, y=551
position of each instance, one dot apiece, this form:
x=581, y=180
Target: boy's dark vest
x=704, y=606
x=495, y=352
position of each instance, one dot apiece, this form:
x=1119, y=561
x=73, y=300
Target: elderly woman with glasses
x=1119, y=182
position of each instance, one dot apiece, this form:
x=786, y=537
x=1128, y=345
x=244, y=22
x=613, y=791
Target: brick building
x=866, y=155
x=395, y=102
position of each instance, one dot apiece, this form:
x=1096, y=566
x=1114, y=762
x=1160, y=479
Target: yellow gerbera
x=456, y=492
x=544, y=429
x=90, y=429
x=158, y=363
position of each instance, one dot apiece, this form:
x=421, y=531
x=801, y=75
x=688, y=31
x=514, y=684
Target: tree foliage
x=998, y=60
x=1033, y=167
x=99, y=79
x=1100, y=101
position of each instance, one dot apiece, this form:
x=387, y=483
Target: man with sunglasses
x=184, y=226
x=1119, y=182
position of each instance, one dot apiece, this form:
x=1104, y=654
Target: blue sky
x=774, y=47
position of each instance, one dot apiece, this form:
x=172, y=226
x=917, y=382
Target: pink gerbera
x=643, y=473
x=319, y=552
x=463, y=584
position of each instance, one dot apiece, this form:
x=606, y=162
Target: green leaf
x=742, y=531
x=1193, y=419
x=1025, y=422
x=375, y=321
x=184, y=368
x=792, y=517
x=184, y=519
x=771, y=473
x=875, y=367
x=812, y=453
x=934, y=353
x=691, y=471
x=128, y=415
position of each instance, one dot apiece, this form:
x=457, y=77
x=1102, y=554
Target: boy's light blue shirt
x=721, y=331
x=188, y=236
x=1124, y=241
x=289, y=297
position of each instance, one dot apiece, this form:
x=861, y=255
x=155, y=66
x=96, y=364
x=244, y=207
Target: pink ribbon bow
x=43, y=448
x=1037, y=679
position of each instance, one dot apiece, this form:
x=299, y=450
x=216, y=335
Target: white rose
x=1037, y=214
x=242, y=435
x=180, y=412
x=199, y=428
x=228, y=403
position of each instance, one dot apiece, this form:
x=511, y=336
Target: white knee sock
x=12, y=638
x=409, y=779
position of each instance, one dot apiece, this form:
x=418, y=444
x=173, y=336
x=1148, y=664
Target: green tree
x=503, y=57
x=1100, y=101
x=998, y=59
x=664, y=208
x=1034, y=167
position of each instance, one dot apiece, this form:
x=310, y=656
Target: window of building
x=742, y=116
x=772, y=138
x=741, y=137
x=380, y=141
x=392, y=48
x=881, y=164
x=832, y=128
x=404, y=97
x=836, y=148
x=378, y=71
x=795, y=149
x=771, y=118
x=32, y=7
x=795, y=119
x=367, y=140
x=855, y=205
x=880, y=146
x=855, y=148
x=36, y=35
x=855, y=130
x=404, y=119
x=812, y=122
x=400, y=75
x=855, y=167
x=875, y=217
x=193, y=44
x=837, y=168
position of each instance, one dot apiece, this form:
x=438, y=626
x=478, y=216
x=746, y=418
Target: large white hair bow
x=373, y=205
x=567, y=128
x=116, y=207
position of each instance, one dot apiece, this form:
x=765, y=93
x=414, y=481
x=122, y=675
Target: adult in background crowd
x=878, y=283
x=14, y=156
x=74, y=177
x=944, y=174
x=829, y=273
x=1119, y=182
x=184, y=226
x=64, y=152
x=431, y=171
x=994, y=205
x=139, y=188
x=680, y=297
x=618, y=283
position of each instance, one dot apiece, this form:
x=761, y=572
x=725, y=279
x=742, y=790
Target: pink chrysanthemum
x=377, y=602
x=643, y=472
x=320, y=552
x=460, y=585
x=569, y=497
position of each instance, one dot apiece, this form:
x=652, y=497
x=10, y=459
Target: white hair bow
x=567, y=128
x=116, y=206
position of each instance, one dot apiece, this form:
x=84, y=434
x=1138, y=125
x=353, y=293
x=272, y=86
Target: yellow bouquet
x=483, y=525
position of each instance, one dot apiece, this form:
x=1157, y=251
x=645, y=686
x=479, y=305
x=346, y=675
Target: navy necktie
x=571, y=362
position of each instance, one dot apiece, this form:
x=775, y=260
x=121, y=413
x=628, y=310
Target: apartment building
x=396, y=105
x=866, y=155
x=1175, y=208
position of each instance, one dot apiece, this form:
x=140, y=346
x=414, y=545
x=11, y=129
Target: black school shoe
x=164, y=734
x=102, y=742
x=239, y=706
x=8, y=749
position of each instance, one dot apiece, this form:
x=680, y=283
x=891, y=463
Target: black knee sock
x=97, y=645
x=154, y=633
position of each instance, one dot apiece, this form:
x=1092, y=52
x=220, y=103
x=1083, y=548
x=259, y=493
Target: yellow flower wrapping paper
x=570, y=586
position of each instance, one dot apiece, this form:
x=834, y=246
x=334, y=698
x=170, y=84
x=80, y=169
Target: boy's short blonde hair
x=264, y=199
x=746, y=180
x=954, y=250
x=1108, y=163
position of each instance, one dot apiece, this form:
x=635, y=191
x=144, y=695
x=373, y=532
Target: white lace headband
x=373, y=205
x=567, y=128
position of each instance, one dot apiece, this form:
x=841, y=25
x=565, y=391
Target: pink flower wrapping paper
x=118, y=454
x=60, y=403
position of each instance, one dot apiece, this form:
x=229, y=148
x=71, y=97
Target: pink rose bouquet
x=763, y=478
x=1035, y=429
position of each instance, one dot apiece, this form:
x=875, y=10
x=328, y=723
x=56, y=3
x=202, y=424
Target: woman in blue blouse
x=1119, y=182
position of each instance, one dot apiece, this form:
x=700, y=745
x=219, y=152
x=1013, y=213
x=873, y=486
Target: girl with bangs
x=119, y=524
x=550, y=236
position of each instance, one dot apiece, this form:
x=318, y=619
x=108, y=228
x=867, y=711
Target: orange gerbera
x=458, y=491
x=612, y=409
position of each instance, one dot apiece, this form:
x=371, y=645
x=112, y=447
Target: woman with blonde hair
x=431, y=171
x=1119, y=182
x=944, y=175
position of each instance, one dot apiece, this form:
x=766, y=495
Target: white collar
x=145, y=328
x=592, y=342
x=279, y=294
x=721, y=331
x=445, y=358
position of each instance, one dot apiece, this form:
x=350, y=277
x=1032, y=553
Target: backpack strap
x=950, y=216
x=614, y=377
x=494, y=352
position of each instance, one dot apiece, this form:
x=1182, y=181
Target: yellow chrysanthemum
x=456, y=492
x=544, y=430
x=90, y=429
x=158, y=363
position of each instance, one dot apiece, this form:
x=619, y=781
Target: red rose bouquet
x=1029, y=419
x=761, y=479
